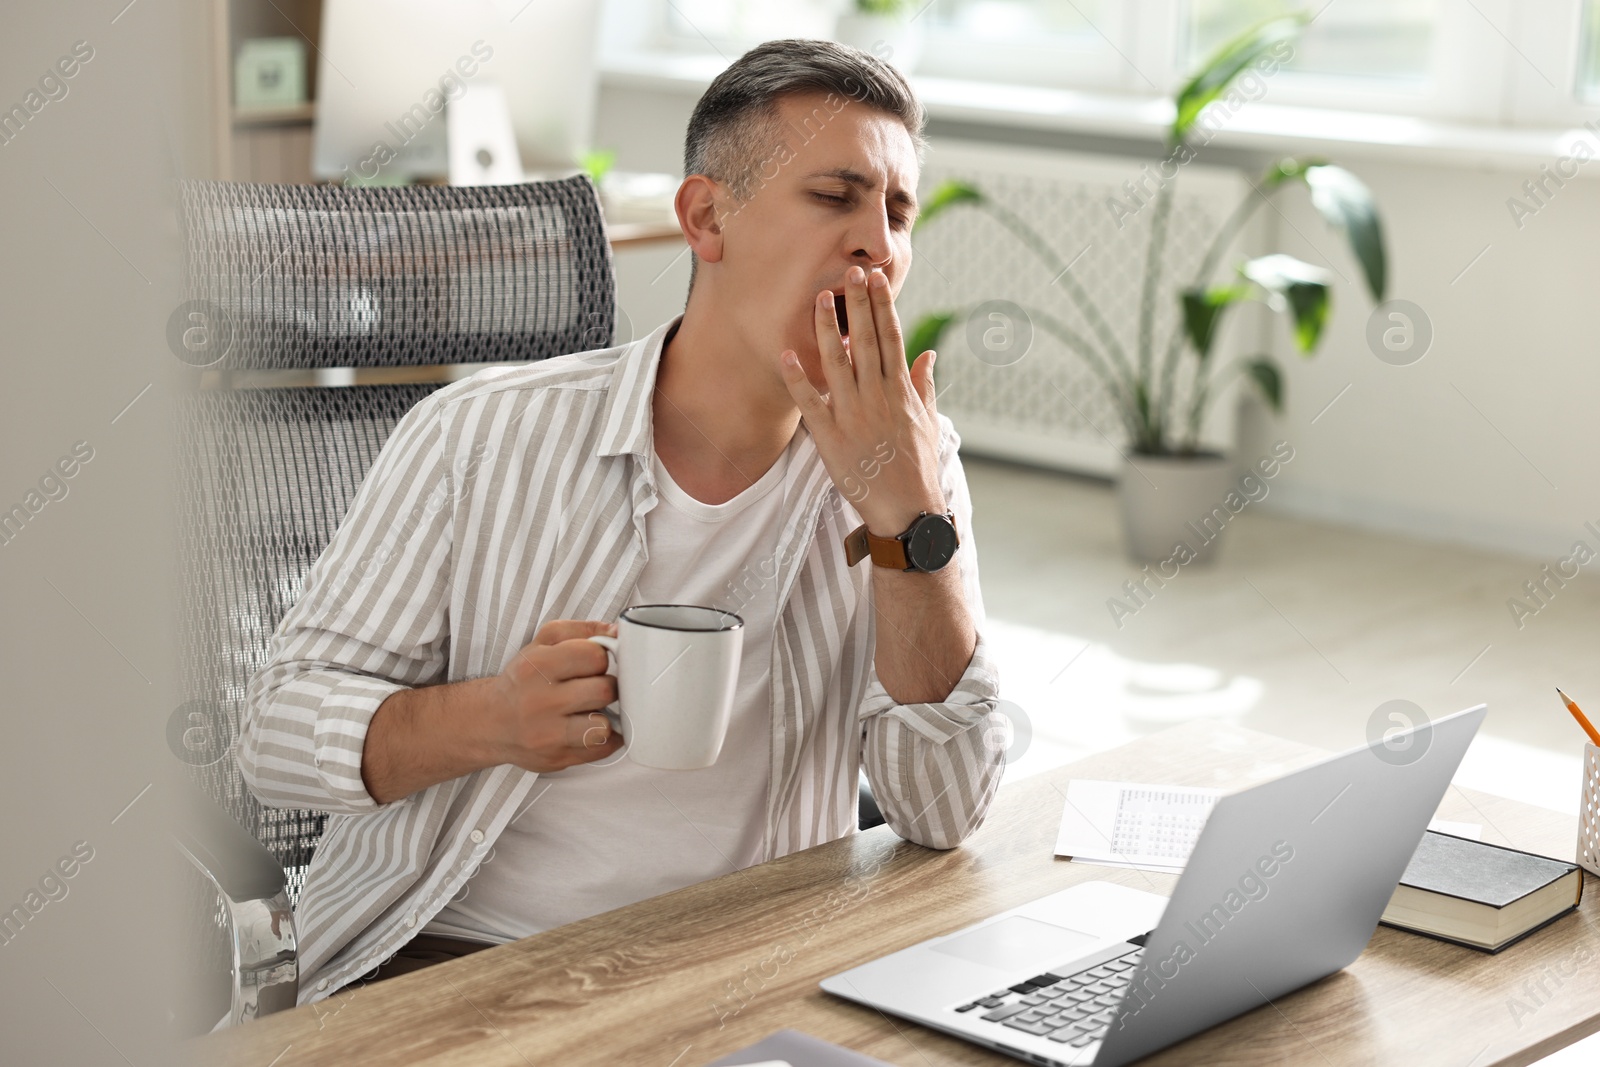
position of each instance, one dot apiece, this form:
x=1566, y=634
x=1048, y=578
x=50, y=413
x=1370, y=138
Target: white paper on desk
x=1132, y=824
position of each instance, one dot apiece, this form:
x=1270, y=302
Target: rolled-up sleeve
x=373, y=619
x=934, y=767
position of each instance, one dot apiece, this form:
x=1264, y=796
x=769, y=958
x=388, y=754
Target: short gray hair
x=735, y=128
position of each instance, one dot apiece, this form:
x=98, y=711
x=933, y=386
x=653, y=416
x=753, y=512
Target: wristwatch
x=927, y=544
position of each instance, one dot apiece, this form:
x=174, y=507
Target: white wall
x=1403, y=450
x=646, y=131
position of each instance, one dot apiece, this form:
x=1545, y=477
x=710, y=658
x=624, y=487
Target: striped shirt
x=519, y=496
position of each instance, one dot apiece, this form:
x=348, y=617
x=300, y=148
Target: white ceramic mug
x=677, y=666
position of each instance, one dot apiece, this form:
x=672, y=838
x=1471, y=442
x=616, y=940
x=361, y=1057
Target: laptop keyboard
x=1074, y=1009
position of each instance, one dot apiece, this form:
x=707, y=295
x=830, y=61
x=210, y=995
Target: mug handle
x=610, y=644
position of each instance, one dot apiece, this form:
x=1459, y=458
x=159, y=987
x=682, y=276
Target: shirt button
x=322, y=985
x=411, y=920
x=477, y=836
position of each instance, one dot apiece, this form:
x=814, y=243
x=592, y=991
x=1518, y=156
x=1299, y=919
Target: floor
x=1299, y=629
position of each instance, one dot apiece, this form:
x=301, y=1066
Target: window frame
x=1533, y=100
x=1490, y=62
x=1458, y=86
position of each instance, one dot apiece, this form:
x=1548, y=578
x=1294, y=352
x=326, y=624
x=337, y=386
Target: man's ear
x=699, y=204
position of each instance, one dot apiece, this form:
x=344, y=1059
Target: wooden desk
x=686, y=977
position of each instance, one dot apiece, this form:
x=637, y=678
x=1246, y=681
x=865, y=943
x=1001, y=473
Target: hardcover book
x=1480, y=895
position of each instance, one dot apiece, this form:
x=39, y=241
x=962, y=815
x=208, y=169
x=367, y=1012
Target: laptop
x=1285, y=885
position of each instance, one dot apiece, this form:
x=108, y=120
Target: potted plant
x=1167, y=479
x=886, y=28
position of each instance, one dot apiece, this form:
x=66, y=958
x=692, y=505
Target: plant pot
x=1175, y=506
x=892, y=38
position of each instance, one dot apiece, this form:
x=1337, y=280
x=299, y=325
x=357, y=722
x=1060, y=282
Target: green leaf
x=1265, y=374
x=1226, y=64
x=1347, y=205
x=1202, y=313
x=1304, y=289
x=597, y=163
x=948, y=194
x=1141, y=405
x=1287, y=169
x=926, y=334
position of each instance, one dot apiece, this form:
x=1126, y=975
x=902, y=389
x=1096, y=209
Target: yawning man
x=769, y=452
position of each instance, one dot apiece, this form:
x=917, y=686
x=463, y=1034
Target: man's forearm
x=925, y=635
x=421, y=737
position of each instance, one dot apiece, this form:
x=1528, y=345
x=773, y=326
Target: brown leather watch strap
x=888, y=552
x=885, y=551
x=856, y=546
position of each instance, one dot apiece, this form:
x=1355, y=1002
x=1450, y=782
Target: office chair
x=868, y=814
x=315, y=278
x=283, y=278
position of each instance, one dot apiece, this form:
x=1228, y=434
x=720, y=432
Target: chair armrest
x=868, y=813
x=265, y=964
x=225, y=852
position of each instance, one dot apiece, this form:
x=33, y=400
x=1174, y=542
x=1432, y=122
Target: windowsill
x=1261, y=127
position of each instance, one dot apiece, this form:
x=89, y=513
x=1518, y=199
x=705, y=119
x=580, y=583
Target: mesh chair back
x=309, y=276
x=329, y=276
x=270, y=473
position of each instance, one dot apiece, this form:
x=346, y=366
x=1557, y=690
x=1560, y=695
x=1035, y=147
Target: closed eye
x=829, y=198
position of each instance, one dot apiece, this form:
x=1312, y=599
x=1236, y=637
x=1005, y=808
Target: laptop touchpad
x=1018, y=942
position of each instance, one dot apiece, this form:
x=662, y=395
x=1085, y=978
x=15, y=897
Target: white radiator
x=1047, y=407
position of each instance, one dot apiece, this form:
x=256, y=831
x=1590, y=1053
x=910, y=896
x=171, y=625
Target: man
x=432, y=688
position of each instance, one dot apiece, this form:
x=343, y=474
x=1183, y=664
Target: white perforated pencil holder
x=1589, y=812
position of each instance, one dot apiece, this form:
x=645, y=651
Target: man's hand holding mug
x=676, y=670
x=548, y=717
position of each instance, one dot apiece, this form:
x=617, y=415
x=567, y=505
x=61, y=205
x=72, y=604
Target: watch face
x=932, y=543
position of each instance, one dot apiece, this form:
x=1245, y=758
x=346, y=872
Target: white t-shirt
x=593, y=837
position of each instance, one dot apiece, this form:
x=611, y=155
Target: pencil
x=1583, y=720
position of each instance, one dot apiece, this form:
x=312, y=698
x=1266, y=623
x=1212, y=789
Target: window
x=1485, y=63
x=1079, y=44
x=1362, y=38
x=1009, y=21
x=742, y=23
x=1017, y=20
x=1589, y=59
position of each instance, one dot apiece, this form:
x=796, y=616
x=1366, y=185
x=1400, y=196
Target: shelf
x=294, y=115
x=636, y=234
